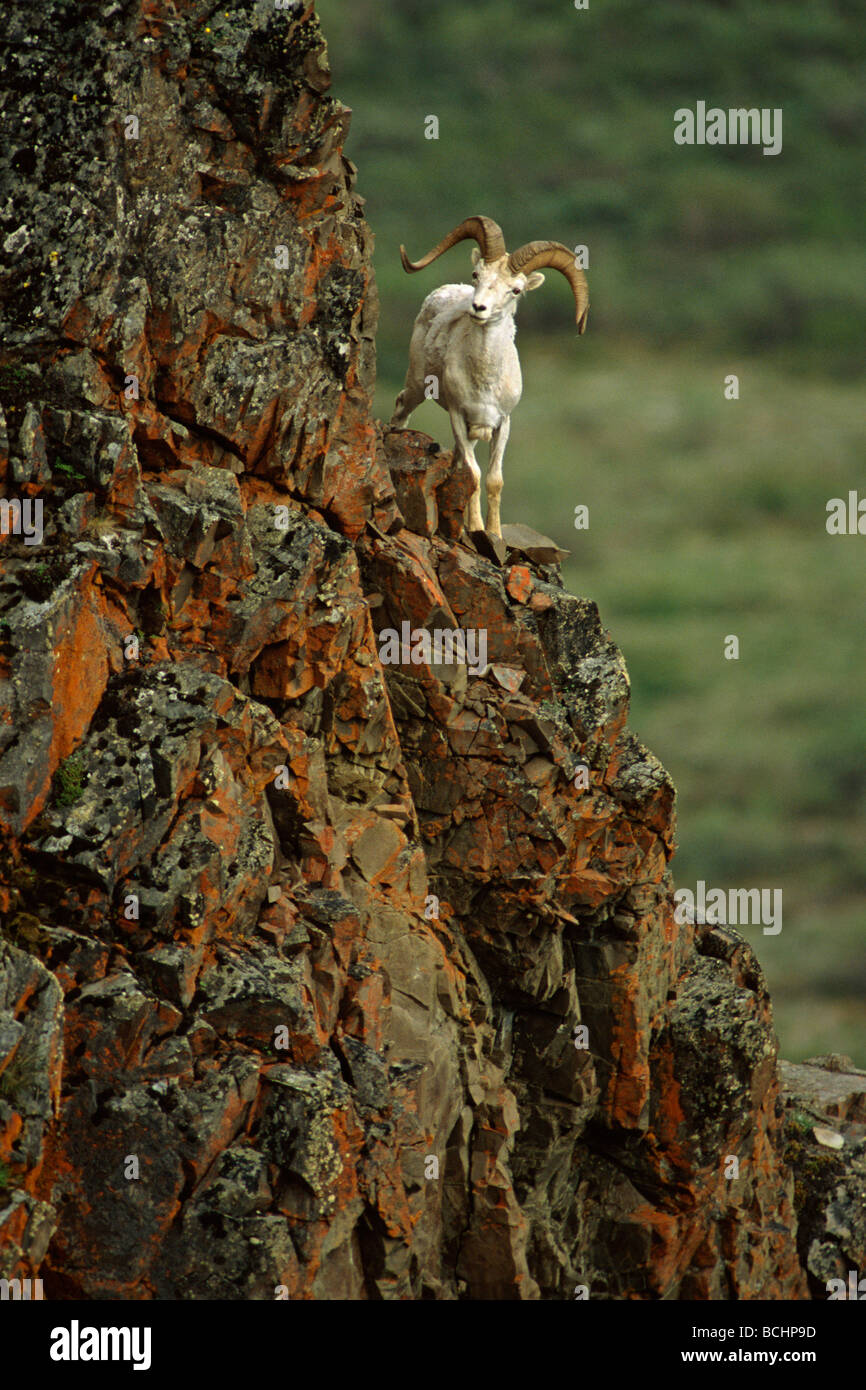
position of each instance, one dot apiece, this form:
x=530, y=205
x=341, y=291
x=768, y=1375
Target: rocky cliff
x=320, y=976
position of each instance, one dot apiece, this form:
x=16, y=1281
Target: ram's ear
x=476, y=254
x=535, y=280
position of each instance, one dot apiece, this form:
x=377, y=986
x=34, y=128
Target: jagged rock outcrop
x=296, y=945
x=825, y=1128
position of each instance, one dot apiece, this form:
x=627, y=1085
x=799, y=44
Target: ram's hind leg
x=494, y=476
x=465, y=451
x=408, y=400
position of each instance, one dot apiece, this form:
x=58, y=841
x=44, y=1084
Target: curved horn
x=484, y=230
x=536, y=254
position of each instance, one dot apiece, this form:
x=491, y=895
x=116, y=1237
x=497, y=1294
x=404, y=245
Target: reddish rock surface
x=296, y=944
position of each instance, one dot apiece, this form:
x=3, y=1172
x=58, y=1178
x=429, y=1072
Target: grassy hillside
x=707, y=516
x=559, y=123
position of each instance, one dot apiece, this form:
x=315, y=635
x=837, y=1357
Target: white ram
x=463, y=339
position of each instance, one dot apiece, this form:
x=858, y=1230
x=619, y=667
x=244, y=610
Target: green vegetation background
x=707, y=516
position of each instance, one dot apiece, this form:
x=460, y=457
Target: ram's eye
x=516, y=290
x=475, y=275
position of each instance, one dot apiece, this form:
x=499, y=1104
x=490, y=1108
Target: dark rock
x=540, y=549
x=299, y=943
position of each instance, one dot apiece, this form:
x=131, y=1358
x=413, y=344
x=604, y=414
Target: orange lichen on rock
x=326, y=967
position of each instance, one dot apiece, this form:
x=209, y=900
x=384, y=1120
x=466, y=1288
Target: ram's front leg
x=494, y=476
x=465, y=449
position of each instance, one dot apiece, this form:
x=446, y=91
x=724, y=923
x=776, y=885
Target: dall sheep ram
x=463, y=339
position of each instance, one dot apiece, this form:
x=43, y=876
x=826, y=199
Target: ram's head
x=501, y=278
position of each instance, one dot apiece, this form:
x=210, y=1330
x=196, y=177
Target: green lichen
x=69, y=780
x=802, y=1121
x=40, y=580
x=61, y=466
x=24, y=1078
x=13, y=375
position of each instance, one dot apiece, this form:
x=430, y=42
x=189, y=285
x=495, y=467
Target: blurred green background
x=707, y=515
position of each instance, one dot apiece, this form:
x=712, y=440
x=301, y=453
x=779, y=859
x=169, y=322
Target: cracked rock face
x=321, y=975
x=825, y=1129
